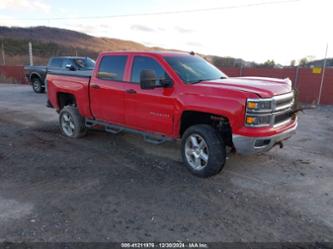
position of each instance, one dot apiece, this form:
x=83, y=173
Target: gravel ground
x=107, y=187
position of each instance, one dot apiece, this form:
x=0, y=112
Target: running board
x=115, y=129
x=90, y=123
x=154, y=139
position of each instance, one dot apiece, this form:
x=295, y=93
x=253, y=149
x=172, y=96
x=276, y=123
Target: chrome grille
x=282, y=117
x=282, y=108
x=280, y=112
x=282, y=102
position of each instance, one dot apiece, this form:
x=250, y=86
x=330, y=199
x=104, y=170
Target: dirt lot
x=108, y=187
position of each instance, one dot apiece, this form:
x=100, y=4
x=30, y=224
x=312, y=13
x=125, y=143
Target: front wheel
x=203, y=150
x=71, y=122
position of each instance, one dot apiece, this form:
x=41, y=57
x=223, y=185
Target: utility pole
x=296, y=76
x=30, y=54
x=322, y=76
x=3, y=53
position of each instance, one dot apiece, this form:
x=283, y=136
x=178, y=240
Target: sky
x=254, y=30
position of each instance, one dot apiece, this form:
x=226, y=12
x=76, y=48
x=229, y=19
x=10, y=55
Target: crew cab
x=36, y=74
x=170, y=96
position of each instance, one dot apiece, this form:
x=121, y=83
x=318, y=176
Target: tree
x=268, y=64
x=303, y=61
x=293, y=63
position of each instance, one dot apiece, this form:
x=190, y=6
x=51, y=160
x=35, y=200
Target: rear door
x=149, y=110
x=107, y=90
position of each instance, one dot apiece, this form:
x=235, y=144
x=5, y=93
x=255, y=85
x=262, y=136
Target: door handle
x=131, y=91
x=95, y=86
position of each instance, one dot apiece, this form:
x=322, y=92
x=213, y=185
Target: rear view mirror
x=148, y=79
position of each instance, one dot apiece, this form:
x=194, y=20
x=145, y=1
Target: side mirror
x=70, y=67
x=148, y=79
x=166, y=83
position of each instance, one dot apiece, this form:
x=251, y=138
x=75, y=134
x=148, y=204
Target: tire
x=203, y=150
x=37, y=85
x=71, y=123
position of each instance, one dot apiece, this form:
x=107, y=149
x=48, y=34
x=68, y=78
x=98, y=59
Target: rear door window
x=112, y=67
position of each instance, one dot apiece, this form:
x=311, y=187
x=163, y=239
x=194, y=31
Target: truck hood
x=263, y=87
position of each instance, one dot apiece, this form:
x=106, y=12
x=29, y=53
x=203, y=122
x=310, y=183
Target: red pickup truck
x=171, y=95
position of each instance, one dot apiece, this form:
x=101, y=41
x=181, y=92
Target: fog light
x=262, y=120
x=250, y=120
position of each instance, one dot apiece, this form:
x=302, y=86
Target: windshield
x=85, y=64
x=193, y=69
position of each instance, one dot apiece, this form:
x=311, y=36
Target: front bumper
x=250, y=145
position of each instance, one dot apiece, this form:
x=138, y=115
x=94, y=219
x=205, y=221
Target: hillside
x=54, y=41
x=47, y=42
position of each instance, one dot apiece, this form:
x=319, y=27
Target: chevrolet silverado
x=172, y=95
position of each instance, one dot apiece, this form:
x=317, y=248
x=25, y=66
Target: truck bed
x=39, y=70
x=35, y=67
x=81, y=74
x=70, y=82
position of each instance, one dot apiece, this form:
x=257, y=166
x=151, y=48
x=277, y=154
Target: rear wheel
x=37, y=85
x=71, y=122
x=203, y=150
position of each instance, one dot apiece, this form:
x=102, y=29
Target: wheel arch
x=222, y=123
x=35, y=75
x=64, y=99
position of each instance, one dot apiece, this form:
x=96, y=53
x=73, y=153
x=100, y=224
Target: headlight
x=258, y=112
x=259, y=105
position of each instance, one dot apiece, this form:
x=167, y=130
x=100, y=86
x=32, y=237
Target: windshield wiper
x=196, y=81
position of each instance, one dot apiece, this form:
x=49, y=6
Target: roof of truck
x=70, y=57
x=159, y=52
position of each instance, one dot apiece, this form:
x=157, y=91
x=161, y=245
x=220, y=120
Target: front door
x=148, y=110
